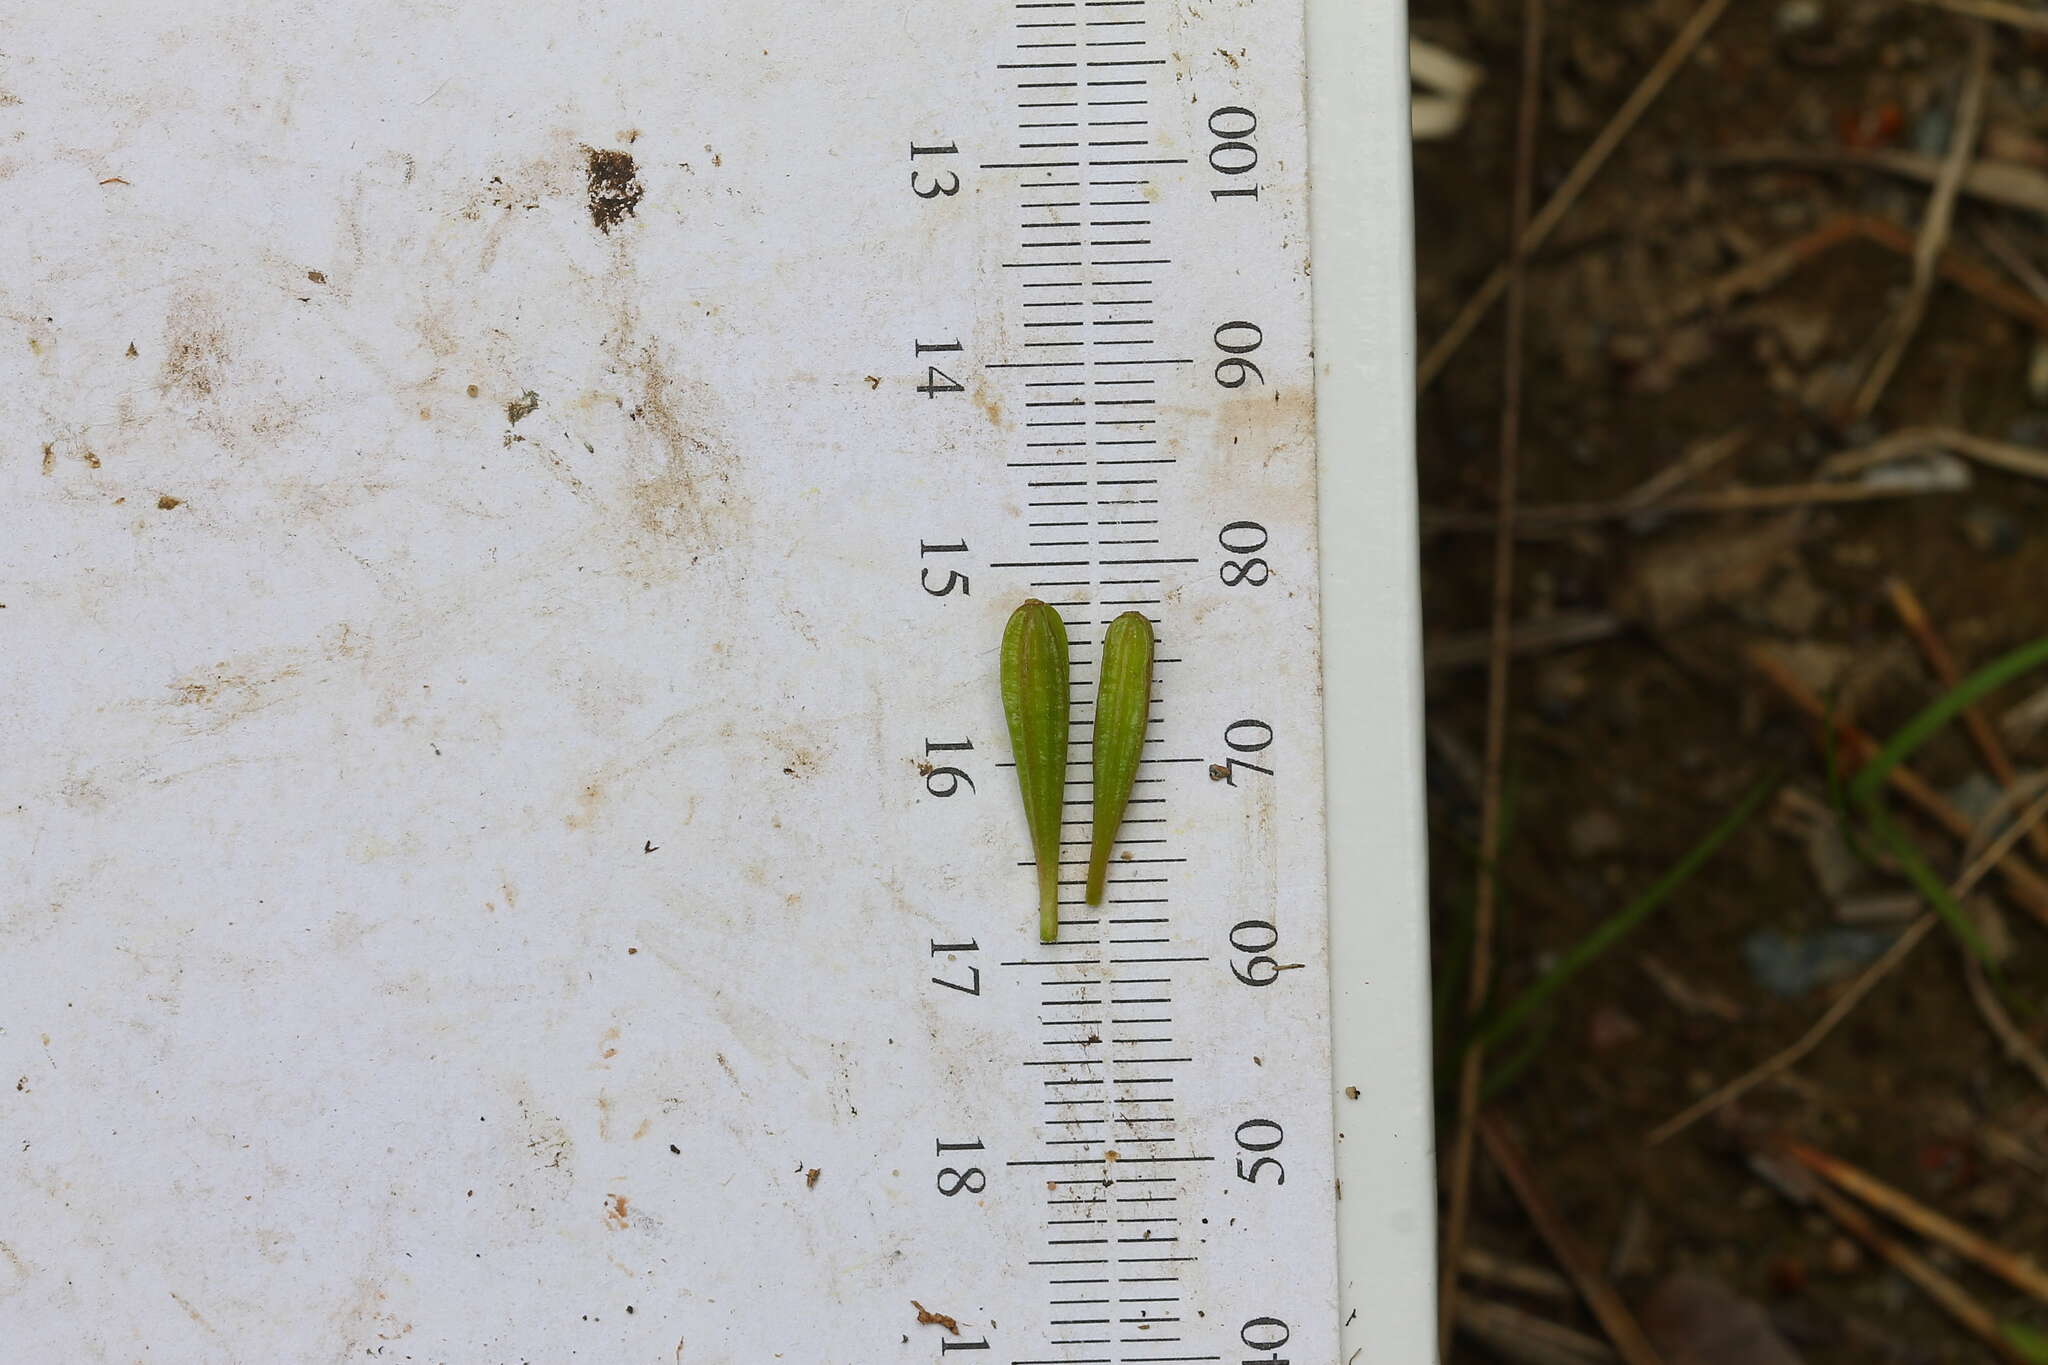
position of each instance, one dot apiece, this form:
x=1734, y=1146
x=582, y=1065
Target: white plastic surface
x=1360, y=207
x=482, y=879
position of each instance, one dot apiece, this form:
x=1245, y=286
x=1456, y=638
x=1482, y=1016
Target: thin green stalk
x=1866, y=789
x=1928, y=884
x=1923, y=727
x=1035, y=702
x=1123, y=708
x=1526, y=1050
x=1624, y=921
x=2030, y=1342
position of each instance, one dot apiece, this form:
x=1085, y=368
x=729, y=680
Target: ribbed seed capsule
x=1035, y=701
x=1123, y=707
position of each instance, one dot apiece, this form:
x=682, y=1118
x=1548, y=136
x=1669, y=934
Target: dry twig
x=1530, y=238
x=1954, y=1299
x=2017, y=1045
x=1857, y=748
x=1901, y=949
x=2005, y=183
x=1900, y=445
x=1693, y=462
x=2021, y=1272
x=1914, y=616
x=1472, y=1069
x=1490, y=1268
x=1525, y=1338
x=1562, y=631
x=1620, y=1325
x=1998, y=11
x=1543, y=521
x=1844, y=1004
x=1934, y=232
x=1771, y=267
x=2014, y=260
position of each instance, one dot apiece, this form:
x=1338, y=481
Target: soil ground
x=1622, y=753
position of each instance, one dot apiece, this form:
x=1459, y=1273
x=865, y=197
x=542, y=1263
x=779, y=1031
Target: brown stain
x=587, y=803
x=1263, y=424
x=614, y=186
x=166, y=502
x=985, y=399
x=615, y=1212
x=520, y=408
x=688, y=485
x=220, y=696
x=811, y=1178
x=195, y=348
x=193, y=1313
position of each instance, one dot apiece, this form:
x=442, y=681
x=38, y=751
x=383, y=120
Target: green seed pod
x=1123, y=707
x=1035, y=700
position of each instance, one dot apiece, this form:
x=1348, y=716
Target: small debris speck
x=927, y=1318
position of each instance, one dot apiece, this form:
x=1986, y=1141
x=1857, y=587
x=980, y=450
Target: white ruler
x=1141, y=1170
x=511, y=854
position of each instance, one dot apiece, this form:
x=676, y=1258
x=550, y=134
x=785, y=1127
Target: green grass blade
x=1123, y=708
x=1923, y=727
x=2028, y=1341
x=1517, y=1063
x=1624, y=921
x=1035, y=702
x=1928, y=884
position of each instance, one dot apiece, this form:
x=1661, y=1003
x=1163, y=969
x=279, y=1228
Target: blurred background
x=1740, y=969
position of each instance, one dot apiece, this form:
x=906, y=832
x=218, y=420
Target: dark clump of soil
x=1628, y=740
x=615, y=188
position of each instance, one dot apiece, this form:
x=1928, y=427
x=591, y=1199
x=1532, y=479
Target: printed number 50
x=1260, y=1135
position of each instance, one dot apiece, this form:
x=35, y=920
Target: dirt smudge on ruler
x=614, y=186
x=195, y=347
x=212, y=699
x=690, y=471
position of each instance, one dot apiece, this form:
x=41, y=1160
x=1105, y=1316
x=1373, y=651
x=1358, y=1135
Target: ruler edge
x=1361, y=217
